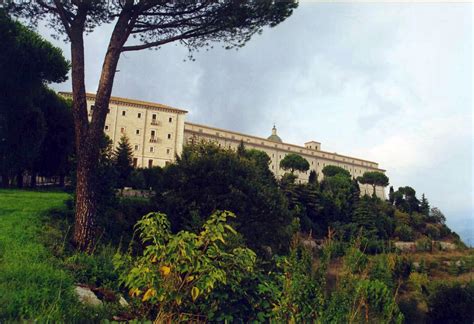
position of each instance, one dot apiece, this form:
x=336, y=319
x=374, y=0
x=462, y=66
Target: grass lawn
x=32, y=284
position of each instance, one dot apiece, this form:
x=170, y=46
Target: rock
x=87, y=297
x=406, y=246
x=123, y=302
x=447, y=246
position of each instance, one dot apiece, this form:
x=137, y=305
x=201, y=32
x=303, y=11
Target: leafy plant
x=176, y=270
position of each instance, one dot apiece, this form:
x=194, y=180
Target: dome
x=274, y=137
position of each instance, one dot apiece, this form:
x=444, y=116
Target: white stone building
x=158, y=132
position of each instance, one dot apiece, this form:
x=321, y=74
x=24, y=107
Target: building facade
x=158, y=132
x=155, y=131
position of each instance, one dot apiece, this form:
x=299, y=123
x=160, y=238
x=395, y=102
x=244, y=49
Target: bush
x=452, y=304
x=95, y=269
x=432, y=231
x=405, y=233
x=423, y=244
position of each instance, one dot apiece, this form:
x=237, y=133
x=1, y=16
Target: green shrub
x=403, y=267
x=432, y=231
x=95, y=269
x=405, y=233
x=411, y=310
x=452, y=304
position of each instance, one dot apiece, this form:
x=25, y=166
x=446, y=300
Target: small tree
x=294, y=162
x=374, y=179
x=424, y=206
x=123, y=161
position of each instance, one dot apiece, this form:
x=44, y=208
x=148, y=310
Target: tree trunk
x=86, y=205
x=33, y=180
x=88, y=135
x=5, y=180
x=62, y=180
x=19, y=179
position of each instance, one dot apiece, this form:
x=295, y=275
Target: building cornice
x=133, y=103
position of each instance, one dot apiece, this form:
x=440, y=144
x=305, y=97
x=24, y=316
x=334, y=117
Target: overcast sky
x=388, y=82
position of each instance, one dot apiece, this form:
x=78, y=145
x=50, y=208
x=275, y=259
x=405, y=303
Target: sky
x=391, y=83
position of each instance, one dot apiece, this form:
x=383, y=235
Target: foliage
x=27, y=64
x=226, y=181
x=294, y=162
x=333, y=170
x=122, y=161
x=177, y=269
x=374, y=178
x=96, y=269
x=452, y=304
x=404, y=233
x=436, y=216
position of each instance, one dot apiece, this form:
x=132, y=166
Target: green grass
x=33, y=285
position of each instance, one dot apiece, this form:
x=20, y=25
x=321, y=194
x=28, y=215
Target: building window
x=169, y=136
x=139, y=115
x=122, y=130
x=152, y=134
x=123, y=113
x=136, y=147
x=137, y=132
x=150, y=163
x=135, y=162
x=152, y=149
x=153, y=116
x=170, y=119
x=106, y=127
x=168, y=151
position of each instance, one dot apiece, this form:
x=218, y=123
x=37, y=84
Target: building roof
x=131, y=102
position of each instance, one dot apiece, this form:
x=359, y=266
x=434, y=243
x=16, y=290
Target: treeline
x=36, y=125
x=206, y=178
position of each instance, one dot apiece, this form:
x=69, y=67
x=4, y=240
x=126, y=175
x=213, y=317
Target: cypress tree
x=123, y=161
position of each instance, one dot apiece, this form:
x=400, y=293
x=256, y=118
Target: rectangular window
x=168, y=151
x=152, y=133
x=106, y=127
x=139, y=115
x=152, y=149
x=169, y=136
x=123, y=113
x=135, y=162
x=122, y=130
x=137, y=147
x=150, y=163
x=170, y=119
x=153, y=116
x=137, y=132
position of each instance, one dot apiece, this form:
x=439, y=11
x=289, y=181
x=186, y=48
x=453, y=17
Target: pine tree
x=424, y=206
x=364, y=216
x=123, y=161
